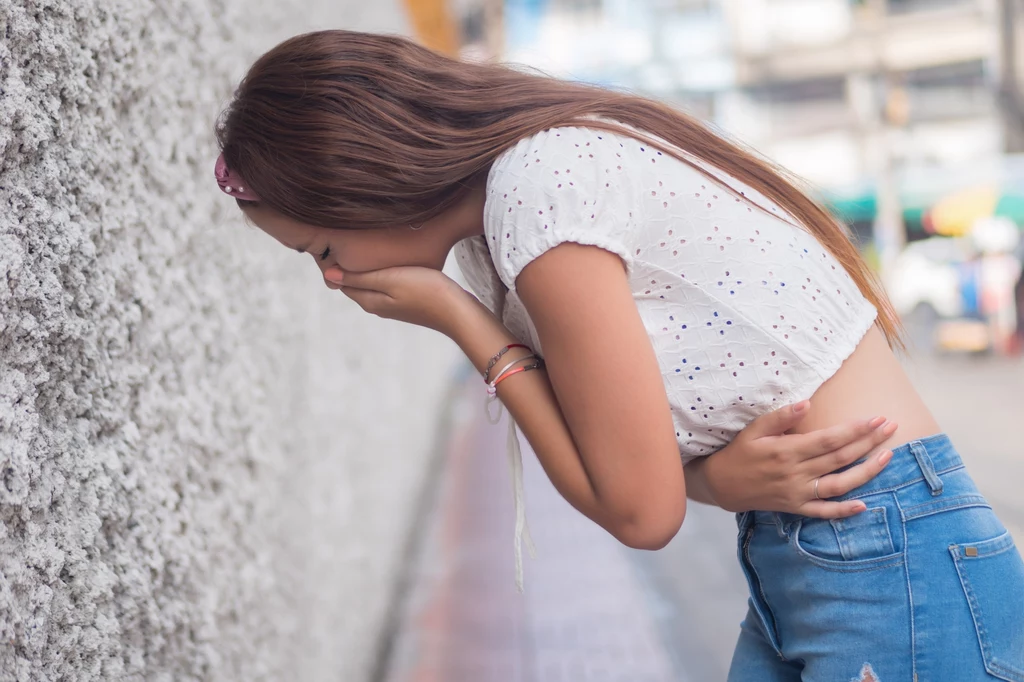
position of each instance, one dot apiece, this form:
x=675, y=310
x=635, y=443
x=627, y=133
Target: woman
x=682, y=290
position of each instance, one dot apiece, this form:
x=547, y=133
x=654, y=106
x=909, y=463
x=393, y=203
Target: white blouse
x=746, y=310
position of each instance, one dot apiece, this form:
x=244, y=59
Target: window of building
x=960, y=74
x=795, y=92
x=958, y=90
x=908, y=6
x=687, y=6
x=801, y=107
x=577, y=6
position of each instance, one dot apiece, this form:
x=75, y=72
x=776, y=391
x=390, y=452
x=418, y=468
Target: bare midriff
x=871, y=382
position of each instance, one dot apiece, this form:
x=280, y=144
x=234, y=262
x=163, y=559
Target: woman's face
x=362, y=250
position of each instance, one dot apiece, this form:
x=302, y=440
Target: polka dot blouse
x=746, y=311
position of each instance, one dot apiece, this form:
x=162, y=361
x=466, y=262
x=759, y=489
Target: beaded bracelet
x=497, y=356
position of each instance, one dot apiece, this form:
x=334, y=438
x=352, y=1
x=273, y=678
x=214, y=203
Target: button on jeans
x=925, y=586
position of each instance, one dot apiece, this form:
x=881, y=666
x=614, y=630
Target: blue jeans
x=924, y=586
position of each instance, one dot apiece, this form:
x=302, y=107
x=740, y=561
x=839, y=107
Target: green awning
x=1011, y=206
x=863, y=208
x=855, y=209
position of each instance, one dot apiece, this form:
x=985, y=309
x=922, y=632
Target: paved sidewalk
x=586, y=613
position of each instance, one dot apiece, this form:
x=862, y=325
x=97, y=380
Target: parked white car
x=928, y=285
x=924, y=280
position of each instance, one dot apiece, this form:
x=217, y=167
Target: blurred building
x=882, y=105
x=887, y=103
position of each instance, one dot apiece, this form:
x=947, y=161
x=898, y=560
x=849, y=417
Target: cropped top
x=745, y=309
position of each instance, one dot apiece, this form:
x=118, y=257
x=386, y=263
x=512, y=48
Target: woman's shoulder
x=562, y=184
x=564, y=157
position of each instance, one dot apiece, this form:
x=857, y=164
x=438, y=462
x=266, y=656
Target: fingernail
x=333, y=276
x=859, y=507
x=874, y=421
x=884, y=458
x=890, y=427
x=800, y=406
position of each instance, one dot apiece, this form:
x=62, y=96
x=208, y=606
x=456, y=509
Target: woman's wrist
x=698, y=486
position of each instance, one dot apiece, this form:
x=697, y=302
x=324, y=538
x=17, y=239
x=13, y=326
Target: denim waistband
x=912, y=462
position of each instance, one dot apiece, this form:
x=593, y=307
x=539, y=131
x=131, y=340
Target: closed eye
x=325, y=254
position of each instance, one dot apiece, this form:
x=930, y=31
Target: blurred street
x=594, y=610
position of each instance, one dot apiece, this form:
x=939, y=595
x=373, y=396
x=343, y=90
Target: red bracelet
x=497, y=356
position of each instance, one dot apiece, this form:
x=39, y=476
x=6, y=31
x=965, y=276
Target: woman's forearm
x=528, y=396
x=697, y=486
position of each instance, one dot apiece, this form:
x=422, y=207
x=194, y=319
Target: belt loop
x=924, y=461
x=784, y=523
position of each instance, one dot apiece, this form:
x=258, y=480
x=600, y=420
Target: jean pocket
x=992, y=575
x=858, y=543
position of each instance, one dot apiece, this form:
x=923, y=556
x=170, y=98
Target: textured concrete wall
x=207, y=461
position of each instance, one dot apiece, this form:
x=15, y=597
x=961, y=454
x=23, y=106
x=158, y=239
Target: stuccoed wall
x=208, y=461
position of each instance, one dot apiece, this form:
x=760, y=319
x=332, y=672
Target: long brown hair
x=354, y=130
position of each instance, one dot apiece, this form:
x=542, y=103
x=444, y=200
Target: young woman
x=683, y=291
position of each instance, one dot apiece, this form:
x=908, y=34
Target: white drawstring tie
x=515, y=468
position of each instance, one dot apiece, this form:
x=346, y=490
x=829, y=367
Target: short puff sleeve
x=561, y=185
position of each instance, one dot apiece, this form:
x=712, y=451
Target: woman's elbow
x=652, y=533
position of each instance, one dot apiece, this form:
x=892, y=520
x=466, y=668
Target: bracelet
x=492, y=388
x=492, y=384
x=497, y=356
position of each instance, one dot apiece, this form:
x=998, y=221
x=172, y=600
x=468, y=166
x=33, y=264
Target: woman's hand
x=417, y=295
x=767, y=469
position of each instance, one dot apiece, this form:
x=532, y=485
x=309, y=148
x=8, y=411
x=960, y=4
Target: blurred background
x=906, y=119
